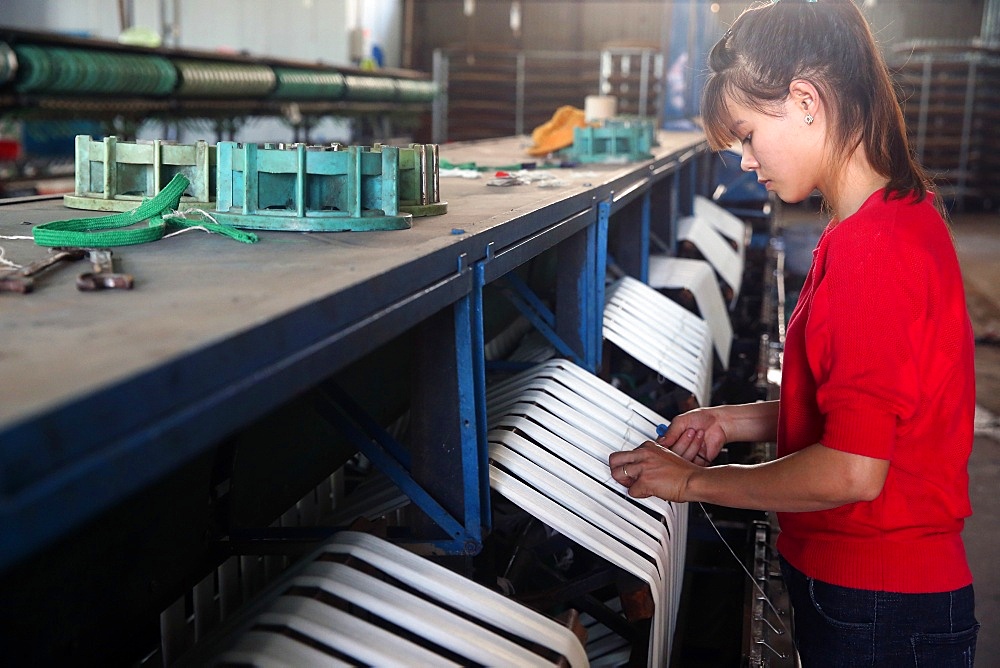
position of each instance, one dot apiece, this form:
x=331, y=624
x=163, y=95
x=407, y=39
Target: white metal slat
x=724, y=222
x=612, y=501
x=599, y=439
x=642, y=322
x=574, y=376
x=538, y=430
x=593, y=398
x=554, y=426
x=590, y=537
x=602, y=413
x=595, y=469
x=726, y=261
x=627, y=334
x=594, y=502
x=673, y=322
x=585, y=443
x=660, y=322
x=369, y=644
x=364, y=642
x=619, y=440
x=426, y=620
x=589, y=511
x=266, y=649
x=659, y=520
x=460, y=593
x=696, y=276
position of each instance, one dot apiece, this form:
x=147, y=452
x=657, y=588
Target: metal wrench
x=103, y=277
x=23, y=281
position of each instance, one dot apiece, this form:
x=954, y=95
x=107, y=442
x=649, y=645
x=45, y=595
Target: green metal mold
x=619, y=139
x=112, y=175
x=420, y=180
x=309, y=188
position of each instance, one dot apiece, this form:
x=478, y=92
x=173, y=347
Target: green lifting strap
x=106, y=230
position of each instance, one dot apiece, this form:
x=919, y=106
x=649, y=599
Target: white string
x=7, y=263
x=183, y=215
x=187, y=229
x=17, y=238
x=757, y=586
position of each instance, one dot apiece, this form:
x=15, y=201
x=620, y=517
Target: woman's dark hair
x=830, y=44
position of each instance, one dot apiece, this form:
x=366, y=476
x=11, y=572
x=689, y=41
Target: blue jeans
x=839, y=627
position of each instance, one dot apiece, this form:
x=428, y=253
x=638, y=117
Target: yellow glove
x=558, y=132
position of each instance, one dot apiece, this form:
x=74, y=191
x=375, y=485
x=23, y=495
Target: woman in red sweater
x=874, y=424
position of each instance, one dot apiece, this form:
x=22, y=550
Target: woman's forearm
x=756, y=422
x=816, y=478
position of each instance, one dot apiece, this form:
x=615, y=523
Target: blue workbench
x=103, y=394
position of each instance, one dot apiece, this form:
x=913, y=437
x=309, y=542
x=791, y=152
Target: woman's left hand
x=652, y=470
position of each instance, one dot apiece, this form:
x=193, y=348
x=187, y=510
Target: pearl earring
x=809, y=119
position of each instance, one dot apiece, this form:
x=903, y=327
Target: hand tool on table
x=23, y=280
x=103, y=277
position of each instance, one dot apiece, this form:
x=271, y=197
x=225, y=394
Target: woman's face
x=784, y=151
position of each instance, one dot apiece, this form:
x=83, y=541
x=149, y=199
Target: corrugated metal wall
x=582, y=25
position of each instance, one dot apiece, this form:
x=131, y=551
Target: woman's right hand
x=697, y=435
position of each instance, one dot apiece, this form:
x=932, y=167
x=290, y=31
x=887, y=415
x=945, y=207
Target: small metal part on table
x=22, y=281
x=103, y=277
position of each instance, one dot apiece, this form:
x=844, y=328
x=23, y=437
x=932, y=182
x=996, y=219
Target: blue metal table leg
x=596, y=335
x=644, y=237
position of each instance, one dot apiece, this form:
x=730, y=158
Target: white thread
x=757, y=586
x=183, y=215
x=16, y=238
x=187, y=229
x=4, y=261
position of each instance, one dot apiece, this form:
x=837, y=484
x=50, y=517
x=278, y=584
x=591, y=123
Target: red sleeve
x=858, y=341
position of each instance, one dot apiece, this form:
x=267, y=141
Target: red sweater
x=879, y=361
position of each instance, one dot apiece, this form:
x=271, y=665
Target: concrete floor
x=977, y=240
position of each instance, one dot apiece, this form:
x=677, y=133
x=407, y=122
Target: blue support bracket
x=596, y=333
x=644, y=244
x=478, y=355
x=537, y=313
x=470, y=346
x=576, y=328
x=393, y=460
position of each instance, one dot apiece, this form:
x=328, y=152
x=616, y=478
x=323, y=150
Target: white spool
x=599, y=107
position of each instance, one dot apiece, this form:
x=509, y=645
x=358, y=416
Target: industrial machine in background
x=53, y=88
